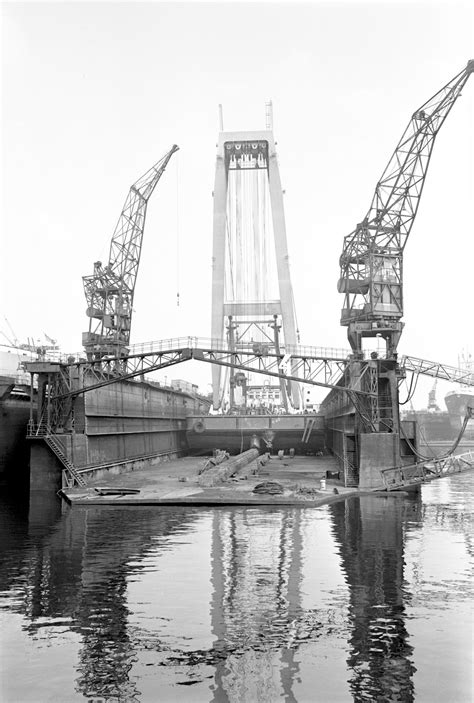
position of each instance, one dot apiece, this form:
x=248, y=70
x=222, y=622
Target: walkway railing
x=423, y=472
x=409, y=363
x=191, y=342
x=221, y=345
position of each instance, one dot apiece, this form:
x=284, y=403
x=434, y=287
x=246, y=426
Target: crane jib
x=371, y=276
x=109, y=291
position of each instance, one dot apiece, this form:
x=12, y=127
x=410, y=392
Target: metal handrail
x=193, y=342
x=400, y=476
x=218, y=344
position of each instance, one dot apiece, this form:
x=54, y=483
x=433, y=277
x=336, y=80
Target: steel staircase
x=351, y=478
x=72, y=475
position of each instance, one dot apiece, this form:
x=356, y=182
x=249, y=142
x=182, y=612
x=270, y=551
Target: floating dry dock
x=303, y=479
x=250, y=479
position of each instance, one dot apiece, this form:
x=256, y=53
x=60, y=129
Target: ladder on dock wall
x=70, y=473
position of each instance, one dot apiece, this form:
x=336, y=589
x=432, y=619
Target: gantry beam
x=314, y=370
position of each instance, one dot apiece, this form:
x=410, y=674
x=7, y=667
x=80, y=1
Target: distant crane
x=49, y=339
x=371, y=262
x=13, y=341
x=432, y=404
x=109, y=290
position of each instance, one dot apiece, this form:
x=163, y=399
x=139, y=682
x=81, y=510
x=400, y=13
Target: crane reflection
x=266, y=582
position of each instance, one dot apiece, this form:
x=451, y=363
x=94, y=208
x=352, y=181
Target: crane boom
x=372, y=257
x=110, y=289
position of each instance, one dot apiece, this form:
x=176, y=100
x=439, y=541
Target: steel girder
x=319, y=371
x=437, y=370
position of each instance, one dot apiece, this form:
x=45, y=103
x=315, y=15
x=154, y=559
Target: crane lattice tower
x=252, y=296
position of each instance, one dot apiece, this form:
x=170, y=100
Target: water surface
x=367, y=600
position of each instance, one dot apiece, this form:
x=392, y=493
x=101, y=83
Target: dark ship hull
x=14, y=416
x=304, y=433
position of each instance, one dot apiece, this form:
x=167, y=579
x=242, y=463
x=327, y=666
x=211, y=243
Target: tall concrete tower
x=252, y=296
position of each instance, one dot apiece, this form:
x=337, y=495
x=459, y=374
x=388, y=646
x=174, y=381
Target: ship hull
x=457, y=404
x=14, y=450
x=14, y=416
x=235, y=433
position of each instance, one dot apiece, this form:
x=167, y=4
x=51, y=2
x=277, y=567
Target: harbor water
x=368, y=599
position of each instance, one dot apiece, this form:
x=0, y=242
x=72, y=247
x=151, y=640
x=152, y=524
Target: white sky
x=94, y=93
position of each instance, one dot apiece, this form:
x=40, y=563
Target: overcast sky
x=95, y=93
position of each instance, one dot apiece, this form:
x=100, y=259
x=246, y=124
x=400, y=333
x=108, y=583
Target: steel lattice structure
x=250, y=253
x=438, y=370
x=319, y=371
x=348, y=392
x=372, y=259
x=110, y=289
x=324, y=371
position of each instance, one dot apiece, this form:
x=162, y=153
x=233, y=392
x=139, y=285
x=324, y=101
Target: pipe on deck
x=219, y=474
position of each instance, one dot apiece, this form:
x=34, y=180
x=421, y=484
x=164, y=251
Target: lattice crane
x=109, y=290
x=372, y=258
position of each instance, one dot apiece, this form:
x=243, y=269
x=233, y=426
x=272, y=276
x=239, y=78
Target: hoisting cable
x=422, y=434
x=296, y=318
x=223, y=387
x=411, y=393
x=177, y=230
x=231, y=294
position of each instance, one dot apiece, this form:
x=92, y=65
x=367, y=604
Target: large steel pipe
x=220, y=473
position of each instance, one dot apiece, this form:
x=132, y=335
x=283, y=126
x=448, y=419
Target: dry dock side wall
x=127, y=420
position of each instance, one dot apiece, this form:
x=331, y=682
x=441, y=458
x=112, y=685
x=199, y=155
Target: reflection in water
x=78, y=575
x=108, y=652
x=256, y=575
x=370, y=537
x=238, y=604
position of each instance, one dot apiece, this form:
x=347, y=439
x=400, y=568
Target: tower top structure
x=251, y=286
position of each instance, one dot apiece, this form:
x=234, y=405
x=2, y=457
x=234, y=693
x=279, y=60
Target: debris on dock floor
x=269, y=488
x=296, y=481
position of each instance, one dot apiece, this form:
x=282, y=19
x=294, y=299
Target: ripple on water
x=248, y=603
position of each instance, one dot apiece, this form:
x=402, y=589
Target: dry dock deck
x=176, y=483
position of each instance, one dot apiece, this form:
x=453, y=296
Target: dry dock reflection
x=240, y=603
